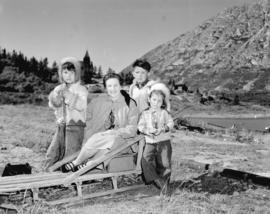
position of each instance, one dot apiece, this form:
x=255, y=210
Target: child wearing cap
x=140, y=88
x=69, y=102
x=155, y=123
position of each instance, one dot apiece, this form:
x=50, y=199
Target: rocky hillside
x=230, y=51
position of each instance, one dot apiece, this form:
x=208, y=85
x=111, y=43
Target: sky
x=115, y=32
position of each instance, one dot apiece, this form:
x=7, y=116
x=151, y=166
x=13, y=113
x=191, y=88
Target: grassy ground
x=26, y=131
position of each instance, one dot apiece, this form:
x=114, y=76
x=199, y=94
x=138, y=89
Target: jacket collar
x=147, y=83
x=141, y=85
x=118, y=100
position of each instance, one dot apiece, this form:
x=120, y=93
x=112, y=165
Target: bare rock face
x=230, y=51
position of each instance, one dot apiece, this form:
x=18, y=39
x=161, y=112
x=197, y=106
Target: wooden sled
x=54, y=178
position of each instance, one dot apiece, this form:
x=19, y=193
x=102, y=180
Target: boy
x=140, y=88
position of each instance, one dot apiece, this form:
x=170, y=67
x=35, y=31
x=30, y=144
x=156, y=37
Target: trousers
x=156, y=161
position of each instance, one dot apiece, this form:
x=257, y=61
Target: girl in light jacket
x=156, y=123
x=69, y=102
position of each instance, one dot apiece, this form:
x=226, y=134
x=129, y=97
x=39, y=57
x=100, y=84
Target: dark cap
x=143, y=64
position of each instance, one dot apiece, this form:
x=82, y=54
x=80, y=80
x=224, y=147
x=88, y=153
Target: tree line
x=40, y=68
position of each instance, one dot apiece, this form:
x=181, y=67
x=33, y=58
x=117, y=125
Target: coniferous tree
x=54, y=73
x=88, y=69
x=14, y=57
x=110, y=70
x=94, y=70
x=4, y=54
x=99, y=72
x=33, y=66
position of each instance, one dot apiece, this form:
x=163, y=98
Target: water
x=252, y=123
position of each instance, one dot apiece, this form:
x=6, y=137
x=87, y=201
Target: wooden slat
x=94, y=195
x=59, y=181
x=8, y=207
x=24, y=182
x=140, y=153
x=30, y=178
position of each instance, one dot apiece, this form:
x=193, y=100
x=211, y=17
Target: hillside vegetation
x=228, y=52
x=24, y=80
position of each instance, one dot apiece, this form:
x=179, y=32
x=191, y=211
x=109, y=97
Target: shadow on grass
x=226, y=182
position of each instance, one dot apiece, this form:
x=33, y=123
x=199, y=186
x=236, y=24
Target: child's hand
x=59, y=90
x=70, y=98
x=152, y=131
x=56, y=101
x=158, y=131
x=58, y=95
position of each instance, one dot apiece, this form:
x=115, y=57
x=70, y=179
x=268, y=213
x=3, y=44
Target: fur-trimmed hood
x=76, y=64
x=162, y=87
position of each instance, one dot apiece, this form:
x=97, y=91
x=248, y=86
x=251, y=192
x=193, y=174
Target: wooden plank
x=94, y=195
x=35, y=192
x=114, y=181
x=30, y=178
x=8, y=207
x=79, y=189
x=106, y=175
x=140, y=153
x=59, y=181
x=99, y=160
x=22, y=182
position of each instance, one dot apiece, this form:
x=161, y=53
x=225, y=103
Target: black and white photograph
x=135, y=106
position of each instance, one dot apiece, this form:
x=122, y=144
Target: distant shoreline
x=228, y=116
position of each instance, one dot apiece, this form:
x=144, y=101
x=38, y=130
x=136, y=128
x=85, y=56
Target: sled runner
x=54, y=178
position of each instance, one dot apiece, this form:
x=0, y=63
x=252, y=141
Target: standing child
x=140, y=88
x=155, y=123
x=69, y=101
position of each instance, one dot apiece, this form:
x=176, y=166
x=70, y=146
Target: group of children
x=112, y=119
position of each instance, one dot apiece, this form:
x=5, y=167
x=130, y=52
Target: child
x=155, y=123
x=140, y=88
x=69, y=100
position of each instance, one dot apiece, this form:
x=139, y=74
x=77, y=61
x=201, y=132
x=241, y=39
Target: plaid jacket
x=151, y=120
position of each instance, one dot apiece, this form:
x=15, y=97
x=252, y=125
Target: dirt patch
x=215, y=184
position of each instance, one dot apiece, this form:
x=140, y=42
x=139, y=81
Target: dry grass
x=33, y=126
x=26, y=125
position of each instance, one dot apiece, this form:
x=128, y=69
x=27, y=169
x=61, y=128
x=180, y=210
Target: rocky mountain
x=229, y=52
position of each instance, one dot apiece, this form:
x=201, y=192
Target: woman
x=113, y=118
